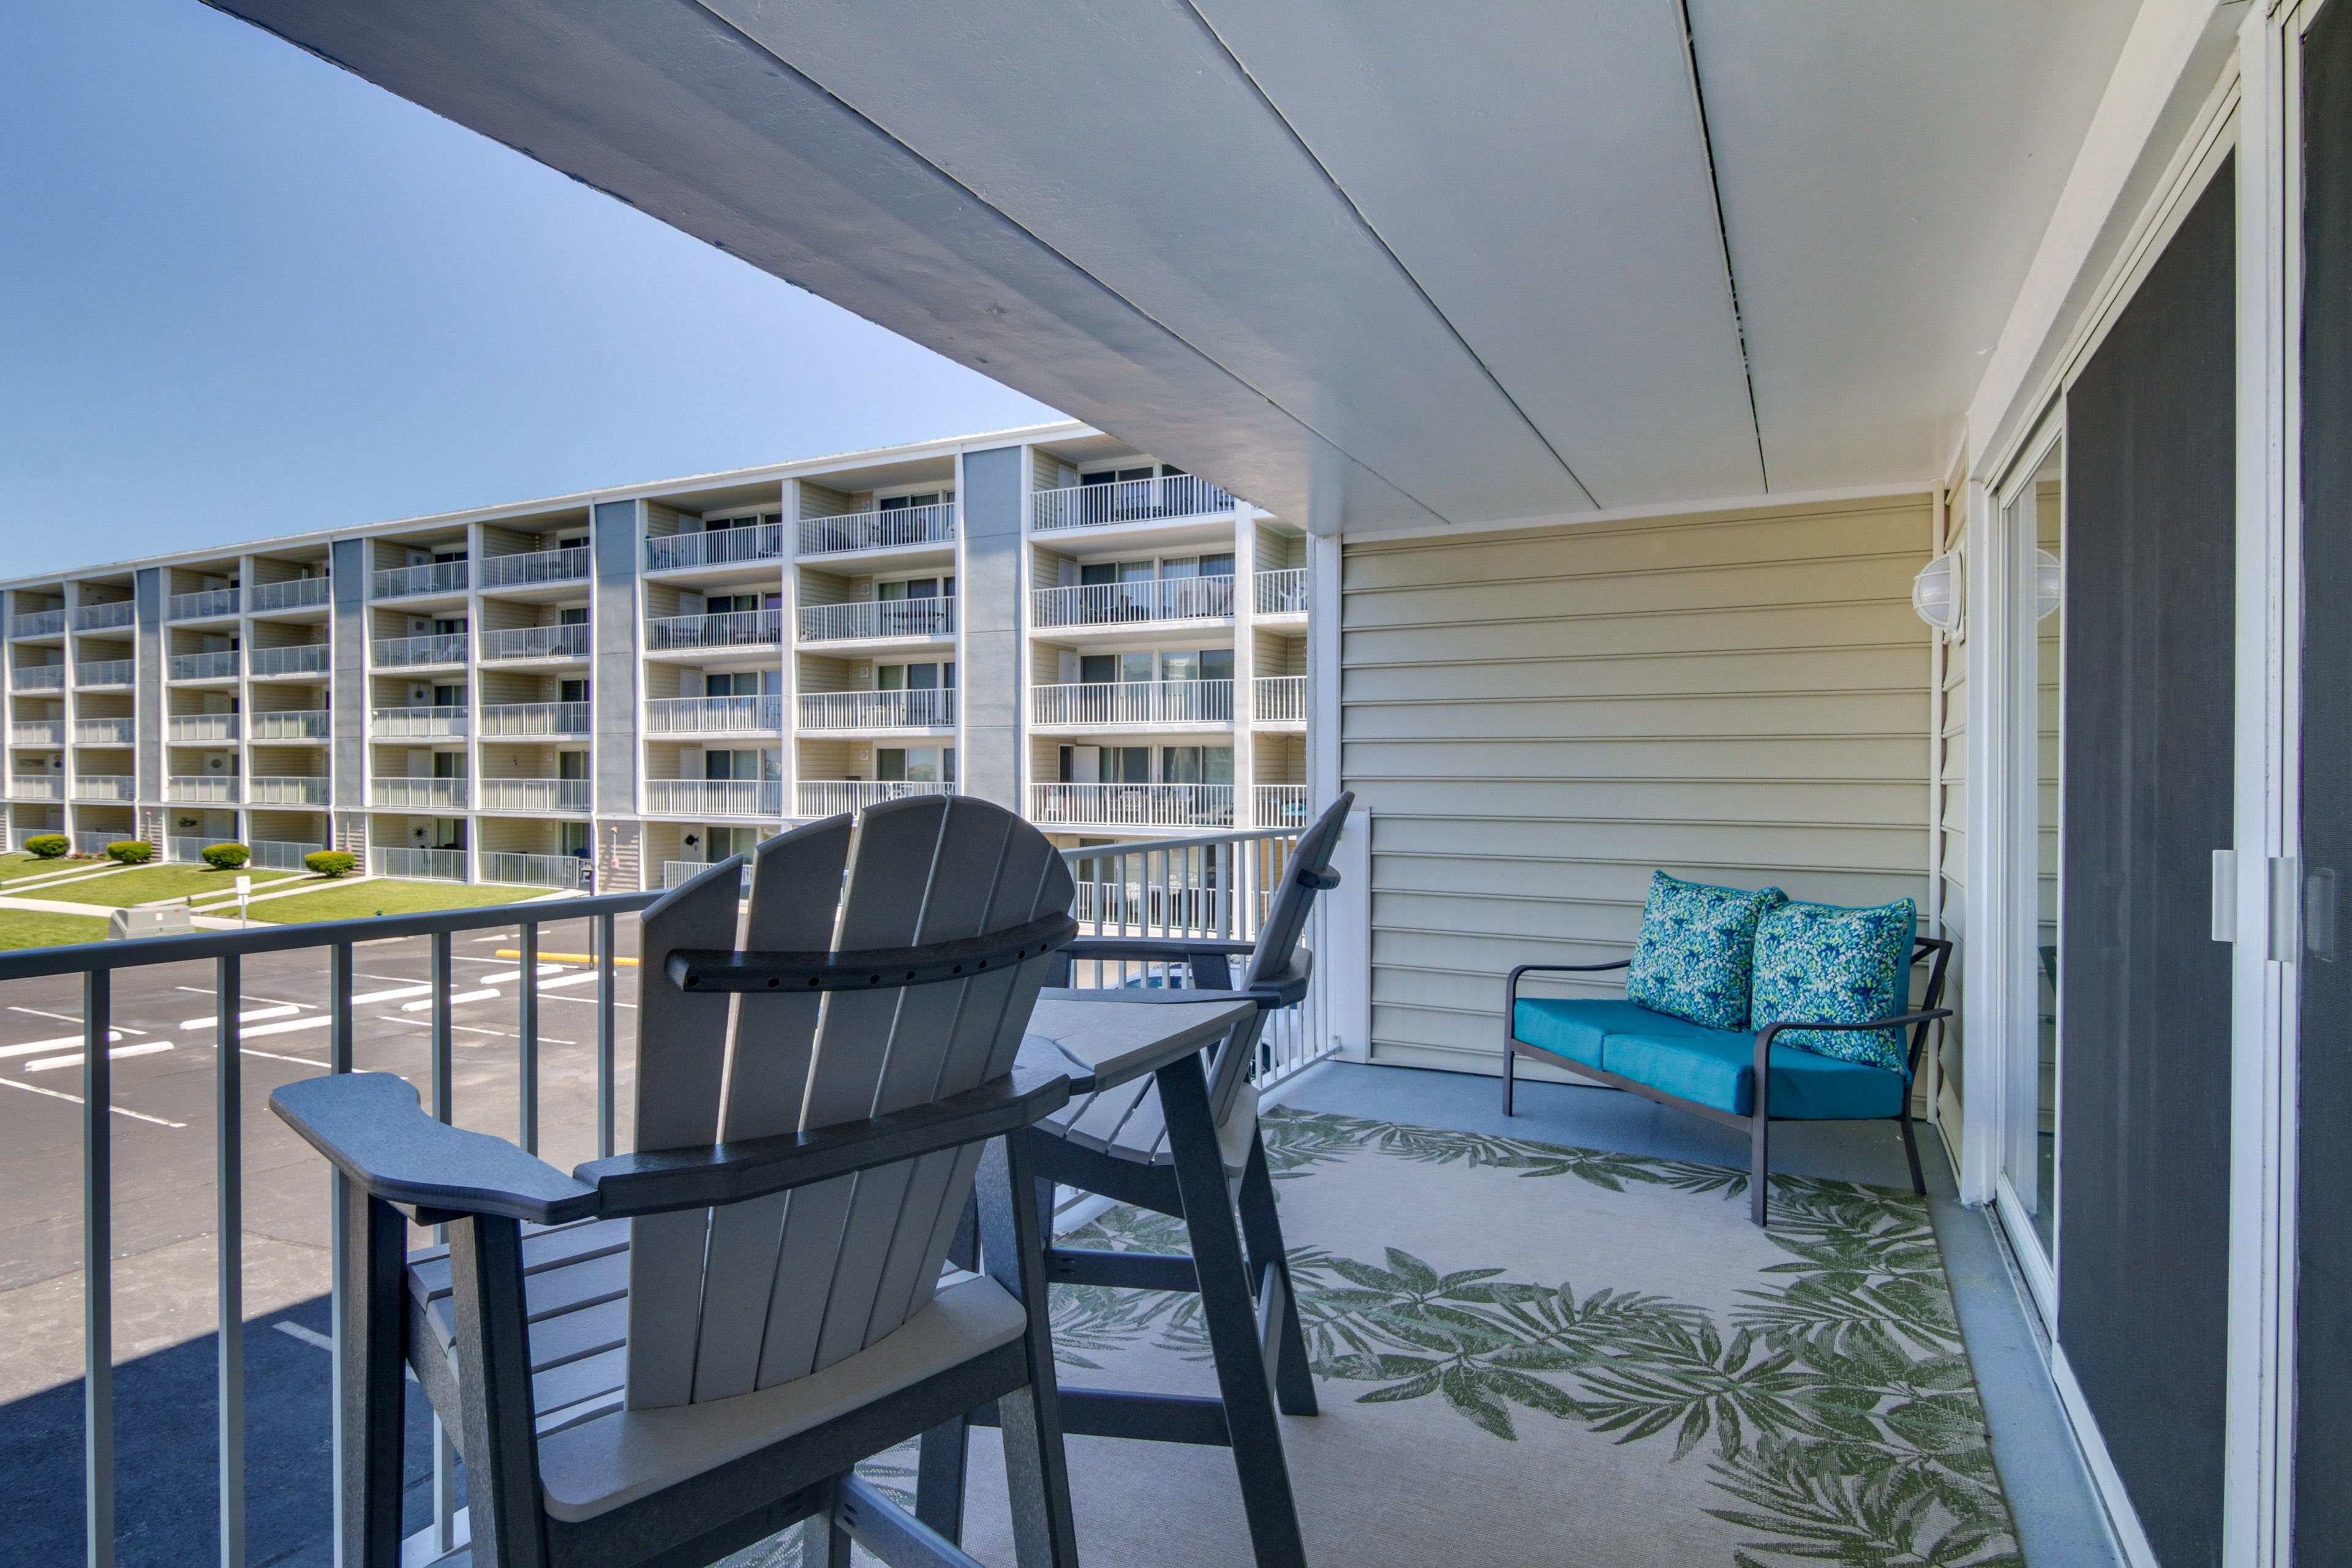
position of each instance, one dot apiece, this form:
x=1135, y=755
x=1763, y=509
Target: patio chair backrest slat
x=1277, y=944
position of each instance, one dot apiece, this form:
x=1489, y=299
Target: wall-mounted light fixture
x=2049, y=584
x=1939, y=594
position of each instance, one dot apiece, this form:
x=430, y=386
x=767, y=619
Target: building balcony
x=1132, y=703
x=105, y=732
x=38, y=732
x=417, y=723
x=97, y=673
x=202, y=789
x=1129, y=604
x=104, y=617
x=508, y=869
x=35, y=786
x=196, y=728
x=533, y=566
x=715, y=715
x=714, y=797
x=404, y=582
x=678, y=873
x=878, y=618
x=419, y=865
x=1178, y=496
x=105, y=786
x=219, y=666
x=301, y=659
x=91, y=841
x=419, y=795
x=1279, y=700
x=1280, y=807
x=281, y=854
x=40, y=624
x=534, y=795
x=1282, y=592
x=716, y=547
x=533, y=719
x=732, y=628
x=286, y=790
x=1132, y=804
x=294, y=594
x=203, y=605
x=411, y=653
x=831, y=797
x=37, y=678
x=293, y=725
x=931, y=708
x=892, y=530
x=566, y=642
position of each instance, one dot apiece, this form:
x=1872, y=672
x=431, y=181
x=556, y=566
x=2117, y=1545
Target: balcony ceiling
x=1372, y=263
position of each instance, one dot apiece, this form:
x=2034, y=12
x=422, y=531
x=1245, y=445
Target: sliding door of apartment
x=2144, y=991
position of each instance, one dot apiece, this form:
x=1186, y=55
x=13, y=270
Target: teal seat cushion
x=1575, y=1028
x=1696, y=949
x=1828, y=964
x=1717, y=1067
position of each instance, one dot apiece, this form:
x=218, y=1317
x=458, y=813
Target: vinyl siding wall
x=1536, y=720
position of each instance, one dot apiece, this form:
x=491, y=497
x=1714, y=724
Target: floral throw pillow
x=1833, y=966
x=1698, y=945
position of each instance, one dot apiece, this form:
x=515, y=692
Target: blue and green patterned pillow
x=1697, y=943
x=1827, y=965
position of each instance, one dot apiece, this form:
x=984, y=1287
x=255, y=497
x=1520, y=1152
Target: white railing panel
x=890, y=530
x=535, y=719
x=933, y=617
x=678, y=873
x=1282, y=592
x=37, y=678
x=1131, y=702
x=199, y=728
x=435, y=577
x=105, y=732
x=210, y=602
x=417, y=723
x=293, y=725
x=294, y=594
x=115, y=671
x=714, y=797
x=51, y=732
x=534, y=795
x=444, y=648
x=427, y=794
x=1132, y=805
x=281, y=854
x=715, y=546
x=1129, y=501
x=36, y=786
x=421, y=865
x=40, y=624
x=1280, y=806
x=176, y=847
x=217, y=666
x=201, y=789
x=933, y=708
x=105, y=786
x=88, y=843
x=102, y=618
x=714, y=715
x=536, y=642
x=1279, y=700
x=536, y=566
x=1150, y=599
x=520, y=870
x=730, y=628
x=301, y=659
x=282, y=789
x=831, y=797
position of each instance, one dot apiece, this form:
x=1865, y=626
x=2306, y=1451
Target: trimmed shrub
x=329, y=862
x=225, y=856
x=47, y=846
x=130, y=851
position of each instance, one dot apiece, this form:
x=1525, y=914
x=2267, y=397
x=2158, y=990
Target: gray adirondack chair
x=668, y=1355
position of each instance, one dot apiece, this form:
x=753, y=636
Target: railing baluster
x=228, y=1145
x=527, y=1025
x=340, y=976
x=97, y=1270
x=443, y=987
x=604, y=966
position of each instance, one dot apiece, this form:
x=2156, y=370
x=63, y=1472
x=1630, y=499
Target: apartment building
x=625, y=685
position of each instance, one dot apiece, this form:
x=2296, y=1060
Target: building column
x=1245, y=667
x=148, y=700
x=617, y=713
x=992, y=586
x=348, y=700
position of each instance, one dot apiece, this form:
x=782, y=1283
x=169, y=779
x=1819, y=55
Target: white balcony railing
x=105, y=732
x=534, y=795
x=419, y=865
x=209, y=602
x=1282, y=592
x=535, y=642
x=1130, y=500
x=35, y=786
x=1114, y=603
x=45, y=731
x=282, y=854
x=202, y=789
x=435, y=577
x=831, y=797
x=293, y=725
x=91, y=841
x=534, y=719
x=105, y=786
x=925, y=709
x=1132, y=805
x=732, y=628
x=421, y=794
x=294, y=594
x=1279, y=700
x=1279, y=806
x=714, y=797
x=188, y=848
x=286, y=789
x=878, y=618
x=197, y=729
x=417, y=723
x=714, y=715
x=40, y=624
x=37, y=678
x=104, y=617
x=512, y=869
x=1130, y=702
x=108, y=671
x=536, y=566
x=715, y=546
x=215, y=666
x=444, y=648
x=302, y=658
x=879, y=529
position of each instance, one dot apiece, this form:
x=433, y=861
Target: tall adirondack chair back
x=1306, y=873
x=726, y=1300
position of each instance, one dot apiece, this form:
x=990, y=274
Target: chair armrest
x=1511, y=987
x=1903, y=1020
x=1151, y=948
x=1282, y=991
x=663, y=1180
x=370, y=1125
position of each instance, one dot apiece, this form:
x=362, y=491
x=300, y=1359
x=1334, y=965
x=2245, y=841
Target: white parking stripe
x=35, y=1047
x=250, y=1016
x=394, y=995
x=50, y=1064
x=60, y=1094
x=287, y=1027
x=460, y=997
x=569, y=980
x=506, y=976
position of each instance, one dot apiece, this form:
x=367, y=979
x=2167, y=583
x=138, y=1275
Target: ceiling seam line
x=1723, y=239
x=1388, y=250
x=1040, y=241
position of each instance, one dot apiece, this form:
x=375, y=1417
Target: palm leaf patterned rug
x=1531, y=1353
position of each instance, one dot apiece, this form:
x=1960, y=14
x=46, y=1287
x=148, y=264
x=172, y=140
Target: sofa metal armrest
x=1511, y=985
x=371, y=1126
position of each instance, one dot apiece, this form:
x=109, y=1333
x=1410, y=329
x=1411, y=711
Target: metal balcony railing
x=535, y=642
x=714, y=797
x=105, y=786
x=215, y=666
x=1132, y=805
x=1151, y=599
x=417, y=723
x=1130, y=500
x=716, y=547
x=419, y=865
x=878, y=618
x=104, y=617
x=1279, y=700
x=301, y=659
x=1131, y=702
x=879, y=529
x=43, y=732
x=510, y=869
x=286, y=789
x=35, y=786
x=435, y=577
x=1279, y=806
x=926, y=710
x=421, y=794
x=730, y=628
x=714, y=715
x=281, y=854
x=537, y=566
x=1282, y=592
x=831, y=797
x=444, y=648
x=108, y=671
x=37, y=678
x=91, y=841
x=181, y=846
x=105, y=732
x=534, y=795
x=196, y=728
x=40, y=624
x=293, y=725
x=294, y=594
x=202, y=789
x=534, y=719
x=208, y=601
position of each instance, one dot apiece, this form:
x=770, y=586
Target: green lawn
x=385, y=895
x=19, y=864
x=145, y=884
x=28, y=928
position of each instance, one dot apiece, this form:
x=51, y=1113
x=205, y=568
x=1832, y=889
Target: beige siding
x=661, y=521
x=1536, y=720
x=818, y=501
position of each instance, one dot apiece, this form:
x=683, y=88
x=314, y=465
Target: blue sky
x=243, y=293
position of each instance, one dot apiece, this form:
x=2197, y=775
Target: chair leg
x=1911, y=1152
x=1759, y=1163
x=1294, y=1381
x=938, y=1477
x=1013, y=1246
x=824, y=1543
x=375, y=1240
x=1510, y=1076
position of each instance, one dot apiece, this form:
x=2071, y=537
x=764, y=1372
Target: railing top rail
x=1161, y=846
